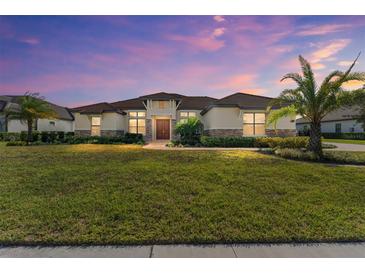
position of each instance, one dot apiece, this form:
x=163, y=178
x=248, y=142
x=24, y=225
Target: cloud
x=317, y=66
x=236, y=82
x=219, y=18
x=346, y=63
x=218, y=32
x=322, y=30
x=205, y=43
x=30, y=40
x=327, y=51
x=354, y=84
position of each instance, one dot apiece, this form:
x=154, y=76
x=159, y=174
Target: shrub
x=350, y=135
x=132, y=138
x=60, y=136
x=190, y=131
x=208, y=141
x=16, y=143
x=282, y=142
x=296, y=154
x=9, y=136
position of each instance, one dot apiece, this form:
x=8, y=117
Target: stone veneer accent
x=111, y=133
x=106, y=133
x=281, y=132
x=173, y=133
x=238, y=132
x=82, y=132
x=148, y=136
x=223, y=132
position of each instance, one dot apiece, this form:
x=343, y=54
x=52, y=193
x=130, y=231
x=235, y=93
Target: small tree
x=189, y=130
x=31, y=107
x=314, y=102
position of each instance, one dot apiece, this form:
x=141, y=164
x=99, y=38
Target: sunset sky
x=77, y=60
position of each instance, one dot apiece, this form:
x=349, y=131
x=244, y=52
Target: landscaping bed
x=122, y=194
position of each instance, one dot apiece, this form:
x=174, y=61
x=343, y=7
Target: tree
x=313, y=102
x=189, y=130
x=31, y=107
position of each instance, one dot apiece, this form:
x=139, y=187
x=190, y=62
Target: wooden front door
x=163, y=129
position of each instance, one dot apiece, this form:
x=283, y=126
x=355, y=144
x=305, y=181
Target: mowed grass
x=114, y=194
x=345, y=141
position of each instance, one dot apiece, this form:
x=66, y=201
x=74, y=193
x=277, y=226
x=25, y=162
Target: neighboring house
x=62, y=122
x=338, y=121
x=156, y=115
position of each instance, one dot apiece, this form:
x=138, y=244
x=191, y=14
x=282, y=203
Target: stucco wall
x=60, y=125
x=109, y=121
x=331, y=126
x=231, y=118
x=42, y=125
x=222, y=118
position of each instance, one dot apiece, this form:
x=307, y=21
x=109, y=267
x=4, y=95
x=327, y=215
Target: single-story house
x=338, y=121
x=64, y=120
x=155, y=116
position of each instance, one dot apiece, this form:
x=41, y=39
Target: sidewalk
x=324, y=250
x=347, y=147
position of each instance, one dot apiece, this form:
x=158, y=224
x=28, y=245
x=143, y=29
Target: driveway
x=324, y=250
x=347, y=147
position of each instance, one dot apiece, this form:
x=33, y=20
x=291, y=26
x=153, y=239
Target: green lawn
x=345, y=141
x=114, y=194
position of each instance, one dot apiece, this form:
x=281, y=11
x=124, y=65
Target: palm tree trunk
x=315, y=144
x=30, y=127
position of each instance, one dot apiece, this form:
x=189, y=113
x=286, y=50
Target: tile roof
x=337, y=115
x=129, y=104
x=196, y=102
x=162, y=96
x=62, y=112
x=241, y=100
x=96, y=109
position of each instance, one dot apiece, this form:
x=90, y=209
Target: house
x=338, y=121
x=155, y=116
x=63, y=121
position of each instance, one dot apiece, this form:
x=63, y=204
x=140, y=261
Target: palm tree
x=31, y=107
x=313, y=102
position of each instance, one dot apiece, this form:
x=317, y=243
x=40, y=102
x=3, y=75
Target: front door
x=163, y=129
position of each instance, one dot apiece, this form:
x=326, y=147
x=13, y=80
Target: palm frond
x=275, y=115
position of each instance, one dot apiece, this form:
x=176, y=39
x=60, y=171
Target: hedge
x=208, y=141
x=350, y=135
x=282, y=142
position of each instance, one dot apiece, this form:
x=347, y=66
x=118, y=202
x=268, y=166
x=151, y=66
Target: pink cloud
x=236, y=82
x=219, y=18
x=29, y=40
x=346, y=63
x=328, y=50
x=322, y=30
x=218, y=32
x=205, y=43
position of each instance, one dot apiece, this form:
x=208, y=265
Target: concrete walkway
x=325, y=250
x=347, y=147
x=161, y=145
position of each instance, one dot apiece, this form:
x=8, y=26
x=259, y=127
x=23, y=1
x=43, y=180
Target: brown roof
x=196, y=102
x=162, y=96
x=62, y=113
x=129, y=104
x=241, y=100
x=337, y=115
x=96, y=109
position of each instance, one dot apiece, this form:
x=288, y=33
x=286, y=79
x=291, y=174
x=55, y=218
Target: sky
x=79, y=60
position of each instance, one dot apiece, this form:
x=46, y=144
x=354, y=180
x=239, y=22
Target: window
x=52, y=123
x=137, y=122
x=352, y=129
x=184, y=115
x=254, y=124
x=338, y=128
x=95, y=125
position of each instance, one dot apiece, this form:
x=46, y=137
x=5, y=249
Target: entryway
x=162, y=129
